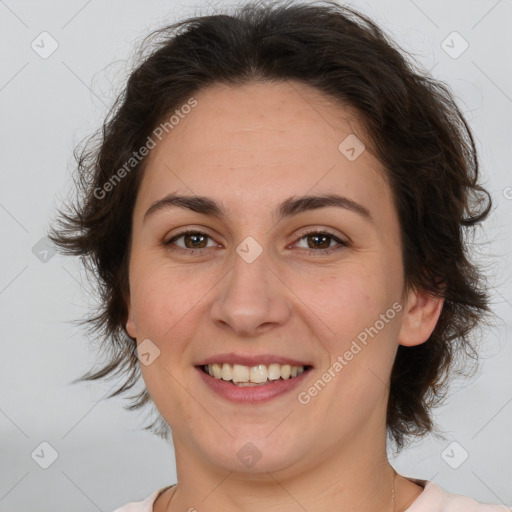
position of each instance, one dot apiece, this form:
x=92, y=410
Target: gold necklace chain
x=393, y=492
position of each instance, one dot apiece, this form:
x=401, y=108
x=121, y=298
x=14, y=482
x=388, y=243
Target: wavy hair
x=419, y=133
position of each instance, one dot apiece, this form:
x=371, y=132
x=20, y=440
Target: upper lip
x=251, y=360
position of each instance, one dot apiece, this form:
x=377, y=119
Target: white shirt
x=432, y=499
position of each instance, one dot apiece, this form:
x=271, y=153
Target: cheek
x=351, y=295
x=359, y=343
x=349, y=305
x=162, y=295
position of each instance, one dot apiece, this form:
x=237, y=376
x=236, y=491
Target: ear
x=420, y=317
x=130, y=322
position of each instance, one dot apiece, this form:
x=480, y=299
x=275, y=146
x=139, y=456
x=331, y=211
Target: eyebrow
x=289, y=207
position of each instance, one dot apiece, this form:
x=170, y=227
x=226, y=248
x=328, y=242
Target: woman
x=276, y=217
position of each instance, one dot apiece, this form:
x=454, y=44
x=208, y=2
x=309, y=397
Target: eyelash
x=310, y=252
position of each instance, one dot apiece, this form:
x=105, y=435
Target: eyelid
x=340, y=242
x=326, y=231
x=189, y=231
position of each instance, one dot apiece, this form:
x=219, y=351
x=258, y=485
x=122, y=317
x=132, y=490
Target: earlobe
x=420, y=317
x=130, y=322
x=130, y=328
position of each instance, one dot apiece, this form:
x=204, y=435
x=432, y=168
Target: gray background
x=48, y=105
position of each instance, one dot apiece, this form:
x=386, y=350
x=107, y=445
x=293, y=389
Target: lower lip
x=246, y=394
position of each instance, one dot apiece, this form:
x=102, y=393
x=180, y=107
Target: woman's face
x=253, y=282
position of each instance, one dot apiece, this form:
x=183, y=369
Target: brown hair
x=419, y=133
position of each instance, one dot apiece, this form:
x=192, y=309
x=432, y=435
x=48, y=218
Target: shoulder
x=146, y=505
x=458, y=503
x=436, y=498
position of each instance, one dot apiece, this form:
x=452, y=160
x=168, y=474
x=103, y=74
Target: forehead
x=263, y=141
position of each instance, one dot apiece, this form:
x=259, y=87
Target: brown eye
x=319, y=242
x=192, y=240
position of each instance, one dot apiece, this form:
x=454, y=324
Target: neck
x=353, y=477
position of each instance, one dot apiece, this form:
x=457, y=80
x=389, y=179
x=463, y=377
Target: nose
x=252, y=298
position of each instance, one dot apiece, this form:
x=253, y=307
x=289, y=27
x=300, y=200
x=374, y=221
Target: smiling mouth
x=259, y=375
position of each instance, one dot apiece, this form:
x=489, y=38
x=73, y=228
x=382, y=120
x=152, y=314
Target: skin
x=251, y=147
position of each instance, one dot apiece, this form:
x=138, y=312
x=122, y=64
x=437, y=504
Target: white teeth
x=216, y=370
x=286, y=371
x=240, y=373
x=226, y=372
x=274, y=371
x=258, y=374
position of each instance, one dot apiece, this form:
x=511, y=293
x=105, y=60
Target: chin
x=252, y=454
